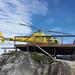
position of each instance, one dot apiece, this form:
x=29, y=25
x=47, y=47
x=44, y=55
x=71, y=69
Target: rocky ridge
x=25, y=63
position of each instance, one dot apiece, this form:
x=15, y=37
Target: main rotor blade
x=28, y=26
x=44, y=30
x=59, y=32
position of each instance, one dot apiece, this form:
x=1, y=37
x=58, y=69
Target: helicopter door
x=40, y=40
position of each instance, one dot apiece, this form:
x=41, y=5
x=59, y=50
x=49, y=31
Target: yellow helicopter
x=37, y=37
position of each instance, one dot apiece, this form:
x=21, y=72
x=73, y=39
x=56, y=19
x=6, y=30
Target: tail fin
x=1, y=35
x=1, y=38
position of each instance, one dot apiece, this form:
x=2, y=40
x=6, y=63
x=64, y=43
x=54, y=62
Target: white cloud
x=50, y=20
x=13, y=12
x=57, y=29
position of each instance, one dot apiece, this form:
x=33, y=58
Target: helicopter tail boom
x=1, y=37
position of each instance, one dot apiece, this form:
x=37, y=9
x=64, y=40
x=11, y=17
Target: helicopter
x=38, y=37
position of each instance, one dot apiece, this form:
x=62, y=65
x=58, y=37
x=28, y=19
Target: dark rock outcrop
x=23, y=63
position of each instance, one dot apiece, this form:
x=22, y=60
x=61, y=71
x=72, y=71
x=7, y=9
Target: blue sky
x=44, y=14
x=60, y=16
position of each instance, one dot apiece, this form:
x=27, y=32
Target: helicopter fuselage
x=37, y=37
